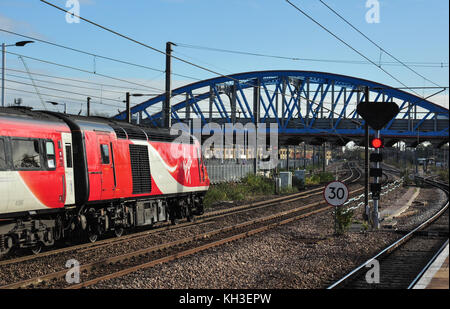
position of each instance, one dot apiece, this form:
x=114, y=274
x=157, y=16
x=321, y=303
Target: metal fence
x=386, y=189
x=234, y=170
x=228, y=171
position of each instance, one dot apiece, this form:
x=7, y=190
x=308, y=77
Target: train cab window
x=104, y=150
x=50, y=153
x=26, y=154
x=3, y=165
x=69, y=155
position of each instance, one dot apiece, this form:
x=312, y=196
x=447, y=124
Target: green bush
x=313, y=180
x=326, y=177
x=443, y=175
x=344, y=218
x=321, y=178
x=298, y=183
x=250, y=186
x=255, y=184
x=289, y=190
x=213, y=195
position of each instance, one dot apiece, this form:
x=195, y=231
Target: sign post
x=336, y=194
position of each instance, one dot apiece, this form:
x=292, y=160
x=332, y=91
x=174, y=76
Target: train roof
x=122, y=129
x=26, y=113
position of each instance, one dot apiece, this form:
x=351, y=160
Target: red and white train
x=64, y=175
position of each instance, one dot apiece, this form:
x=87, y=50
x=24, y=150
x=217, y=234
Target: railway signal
x=376, y=172
x=377, y=143
x=376, y=158
x=376, y=115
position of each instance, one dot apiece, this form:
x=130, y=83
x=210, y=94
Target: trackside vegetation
x=254, y=186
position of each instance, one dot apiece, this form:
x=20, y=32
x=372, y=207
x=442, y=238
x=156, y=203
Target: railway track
x=203, y=219
x=403, y=263
x=106, y=268
x=168, y=227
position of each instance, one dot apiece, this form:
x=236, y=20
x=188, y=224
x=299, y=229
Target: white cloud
x=441, y=100
x=22, y=27
x=9, y=24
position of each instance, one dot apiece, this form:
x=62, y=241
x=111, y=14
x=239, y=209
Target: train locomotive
x=65, y=176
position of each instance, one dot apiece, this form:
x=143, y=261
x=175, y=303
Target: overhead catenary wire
x=95, y=55
x=330, y=103
x=347, y=44
x=61, y=97
x=69, y=99
x=60, y=90
x=202, y=67
x=32, y=80
x=377, y=45
x=135, y=41
x=202, y=61
x=419, y=64
x=143, y=44
x=80, y=81
x=83, y=70
x=75, y=80
x=66, y=85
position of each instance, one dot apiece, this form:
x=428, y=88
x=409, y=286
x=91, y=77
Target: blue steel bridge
x=313, y=107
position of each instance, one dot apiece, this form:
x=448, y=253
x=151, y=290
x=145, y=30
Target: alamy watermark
x=73, y=275
x=246, y=141
x=373, y=275
x=373, y=14
x=72, y=16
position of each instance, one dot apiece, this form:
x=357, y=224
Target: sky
x=411, y=30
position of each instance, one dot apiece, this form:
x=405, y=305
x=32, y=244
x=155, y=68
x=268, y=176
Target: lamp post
x=20, y=43
x=56, y=103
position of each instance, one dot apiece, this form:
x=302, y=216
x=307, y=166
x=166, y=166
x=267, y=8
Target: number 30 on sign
x=336, y=193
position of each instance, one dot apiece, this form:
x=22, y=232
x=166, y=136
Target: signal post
x=376, y=115
x=377, y=173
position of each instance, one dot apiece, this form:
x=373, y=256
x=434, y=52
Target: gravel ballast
x=301, y=255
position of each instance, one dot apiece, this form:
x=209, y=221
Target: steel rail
x=431, y=261
x=195, y=250
x=397, y=243
x=59, y=274
x=122, y=257
x=199, y=220
x=213, y=244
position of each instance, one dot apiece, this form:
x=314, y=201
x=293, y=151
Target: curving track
x=107, y=267
x=403, y=263
x=206, y=217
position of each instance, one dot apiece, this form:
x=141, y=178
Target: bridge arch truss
x=307, y=106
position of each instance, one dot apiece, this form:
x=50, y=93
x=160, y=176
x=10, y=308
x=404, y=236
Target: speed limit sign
x=336, y=193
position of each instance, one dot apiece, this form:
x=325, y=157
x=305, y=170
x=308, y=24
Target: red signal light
x=377, y=143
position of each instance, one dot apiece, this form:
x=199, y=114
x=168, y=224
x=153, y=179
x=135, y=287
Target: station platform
x=437, y=275
x=389, y=212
